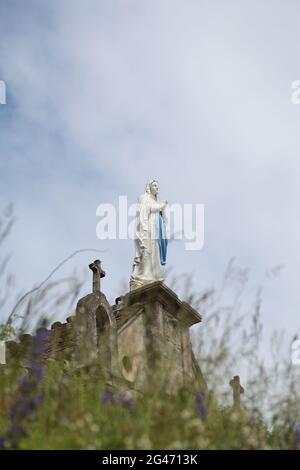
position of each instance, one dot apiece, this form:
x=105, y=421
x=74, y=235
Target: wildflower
x=253, y=442
x=107, y=397
x=17, y=430
x=14, y=435
x=234, y=417
x=296, y=440
x=186, y=414
x=24, y=384
x=203, y=442
x=94, y=428
x=144, y=442
x=29, y=399
x=201, y=405
x=37, y=372
x=195, y=425
x=124, y=398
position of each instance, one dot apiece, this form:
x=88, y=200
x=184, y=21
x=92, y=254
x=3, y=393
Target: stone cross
x=98, y=273
x=237, y=391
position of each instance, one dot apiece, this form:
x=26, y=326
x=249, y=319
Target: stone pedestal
x=153, y=338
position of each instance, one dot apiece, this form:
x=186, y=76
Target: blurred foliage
x=77, y=411
x=55, y=408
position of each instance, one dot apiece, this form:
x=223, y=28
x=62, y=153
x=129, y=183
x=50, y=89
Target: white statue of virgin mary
x=150, y=239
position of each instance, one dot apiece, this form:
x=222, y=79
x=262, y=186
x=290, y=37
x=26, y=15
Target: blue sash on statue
x=162, y=238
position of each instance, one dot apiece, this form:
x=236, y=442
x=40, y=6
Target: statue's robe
x=150, y=242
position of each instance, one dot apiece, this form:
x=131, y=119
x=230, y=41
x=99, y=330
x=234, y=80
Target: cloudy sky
x=103, y=95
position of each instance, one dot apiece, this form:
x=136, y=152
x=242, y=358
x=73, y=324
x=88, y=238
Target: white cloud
x=196, y=94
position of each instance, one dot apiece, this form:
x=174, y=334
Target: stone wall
x=141, y=340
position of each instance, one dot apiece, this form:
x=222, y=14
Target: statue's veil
x=148, y=185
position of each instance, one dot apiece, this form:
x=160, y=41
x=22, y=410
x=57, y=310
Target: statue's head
x=152, y=188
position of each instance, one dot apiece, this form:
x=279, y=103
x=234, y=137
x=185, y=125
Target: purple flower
x=38, y=399
x=19, y=408
x=126, y=400
x=25, y=405
x=25, y=408
x=296, y=440
x=14, y=435
x=24, y=384
x=13, y=411
x=201, y=405
x=42, y=335
x=17, y=430
x=37, y=372
x=107, y=397
x=29, y=400
x=39, y=346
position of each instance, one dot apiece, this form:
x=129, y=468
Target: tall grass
x=57, y=407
